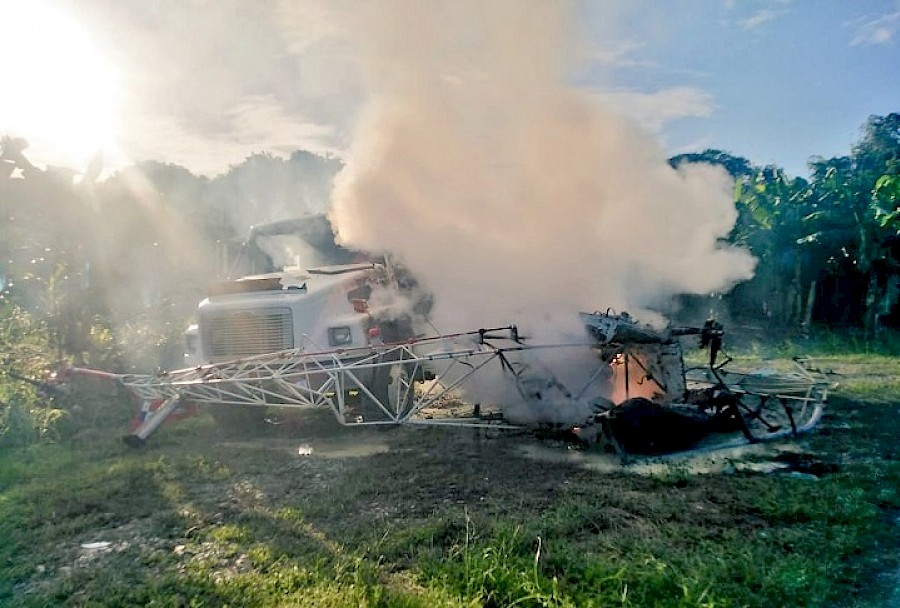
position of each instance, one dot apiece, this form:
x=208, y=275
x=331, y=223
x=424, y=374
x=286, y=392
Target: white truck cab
x=303, y=292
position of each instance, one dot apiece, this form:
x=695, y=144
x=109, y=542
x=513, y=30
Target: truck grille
x=240, y=333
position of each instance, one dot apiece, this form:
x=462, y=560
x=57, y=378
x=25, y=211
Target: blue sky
x=776, y=82
x=204, y=84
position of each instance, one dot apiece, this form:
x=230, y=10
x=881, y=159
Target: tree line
x=117, y=265
x=828, y=245
x=114, y=268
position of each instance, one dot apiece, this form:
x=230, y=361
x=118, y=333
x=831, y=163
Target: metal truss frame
x=774, y=406
x=361, y=386
x=377, y=385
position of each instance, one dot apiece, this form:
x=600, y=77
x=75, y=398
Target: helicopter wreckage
x=649, y=402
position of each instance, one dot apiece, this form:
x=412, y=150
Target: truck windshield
x=301, y=244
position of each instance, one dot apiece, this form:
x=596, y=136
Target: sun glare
x=57, y=90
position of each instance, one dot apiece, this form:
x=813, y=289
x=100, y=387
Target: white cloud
x=621, y=54
x=252, y=124
x=876, y=31
x=206, y=88
x=263, y=118
x=760, y=18
x=655, y=110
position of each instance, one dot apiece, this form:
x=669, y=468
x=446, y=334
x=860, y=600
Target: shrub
x=26, y=414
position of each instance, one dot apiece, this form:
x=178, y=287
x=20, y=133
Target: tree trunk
x=794, y=297
x=810, y=306
x=873, y=301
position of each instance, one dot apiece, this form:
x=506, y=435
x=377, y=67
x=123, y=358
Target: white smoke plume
x=511, y=195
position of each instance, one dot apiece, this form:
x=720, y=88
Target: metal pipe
x=140, y=434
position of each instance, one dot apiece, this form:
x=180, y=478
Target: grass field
x=317, y=515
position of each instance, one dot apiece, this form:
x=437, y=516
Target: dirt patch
x=757, y=458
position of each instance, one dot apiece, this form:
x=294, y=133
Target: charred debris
x=658, y=405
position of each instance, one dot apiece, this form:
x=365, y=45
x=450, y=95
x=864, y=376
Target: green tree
x=738, y=167
x=772, y=210
x=855, y=219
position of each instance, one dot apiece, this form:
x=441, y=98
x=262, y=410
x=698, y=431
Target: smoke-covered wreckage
x=655, y=405
x=330, y=334
x=664, y=407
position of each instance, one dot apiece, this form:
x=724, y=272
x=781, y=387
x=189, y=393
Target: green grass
x=447, y=519
x=820, y=342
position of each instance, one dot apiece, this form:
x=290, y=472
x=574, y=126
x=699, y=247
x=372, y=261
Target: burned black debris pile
x=643, y=427
x=660, y=407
